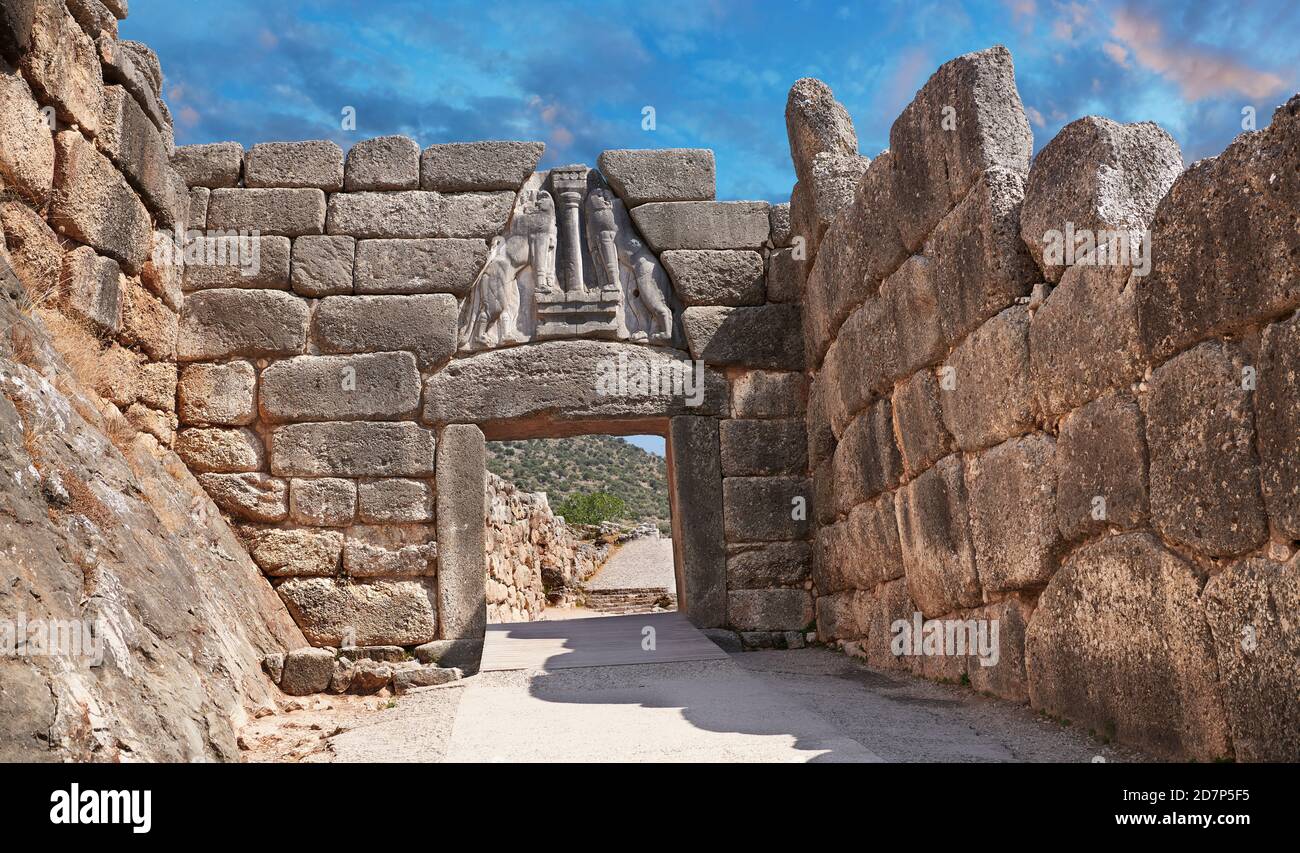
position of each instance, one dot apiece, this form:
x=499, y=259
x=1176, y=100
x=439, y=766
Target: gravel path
x=640, y=563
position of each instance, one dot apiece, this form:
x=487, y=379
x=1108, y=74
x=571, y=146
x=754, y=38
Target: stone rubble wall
x=87, y=194
x=531, y=553
x=1102, y=461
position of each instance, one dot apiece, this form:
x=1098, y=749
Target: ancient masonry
x=889, y=396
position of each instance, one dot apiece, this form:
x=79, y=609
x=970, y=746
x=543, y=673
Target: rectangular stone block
x=220, y=451
x=768, y=394
x=316, y=163
x=125, y=65
x=406, y=552
x=322, y=265
x=1012, y=490
x=703, y=224
x=197, y=215
x=61, y=63
x=93, y=203
x=291, y=552
x=934, y=532
x=764, y=336
x=1277, y=408
x=407, y=214
x=696, y=492
x=381, y=386
x=662, y=174
x=716, y=277
x=237, y=261
x=218, y=394
x=214, y=165
x=913, y=315
x=323, y=502
x=984, y=387
x=866, y=459
x=1101, y=467
x=218, y=324
x=461, y=507
x=92, y=289
x=474, y=214
x=767, y=565
x=352, y=449
x=763, y=448
x=26, y=144
x=462, y=166
x=284, y=212
x=418, y=266
x=250, y=496
x=918, y=422
x=785, y=276
x=766, y=509
x=383, y=163
x=395, y=501
x=136, y=147
x=769, y=609
x=94, y=17
x=1205, y=491
x=860, y=551
x=368, y=613
x=421, y=324
x=147, y=323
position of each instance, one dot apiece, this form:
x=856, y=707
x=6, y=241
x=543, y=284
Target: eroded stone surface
x=934, y=531
x=1012, y=490
x=402, y=613
x=660, y=174
x=1101, y=467
x=352, y=449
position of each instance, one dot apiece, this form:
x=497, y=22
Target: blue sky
x=577, y=75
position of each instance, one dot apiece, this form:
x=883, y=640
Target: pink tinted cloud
x=1198, y=71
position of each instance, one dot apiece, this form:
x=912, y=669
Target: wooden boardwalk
x=598, y=641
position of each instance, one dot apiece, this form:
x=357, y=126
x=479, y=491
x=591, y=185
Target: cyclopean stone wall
x=1098, y=458
x=400, y=294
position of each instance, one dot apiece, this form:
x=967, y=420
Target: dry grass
x=80, y=349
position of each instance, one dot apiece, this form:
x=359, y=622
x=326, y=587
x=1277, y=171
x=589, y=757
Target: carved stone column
x=570, y=184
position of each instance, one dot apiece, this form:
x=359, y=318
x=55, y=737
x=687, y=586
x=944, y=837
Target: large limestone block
x=284, y=212
x=662, y=174
x=33, y=249
x=864, y=358
x=462, y=166
x=26, y=144
x=322, y=265
x=368, y=613
x=408, y=214
x=766, y=509
x=768, y=394
x=461, y=506
x=382, y=386
x=1277, y=410
x=352, y=449
x=892, y=602
x=63, y=64
x=218, y=324
x=770, y=564
x=752, y=448
x=421, y=324
x=821, y=434
x=407, y=551
x=915, y=319
x=765, y=336
x=307, y=671
x=696, y=493
x=966, y=118
x=1224, y=240
x=861, y=550
x=93, y=203
x=220, y=451
x=323, y=501
x=1205, y=491
x=1012, y=489
x=249, y=262
x=1101, y=467
x=395, y=501
x=121, y=66
x=1007, y=677
x=474, y=214
x=979, y=264
x=570, y=380
x=214, y=165
x=1251, y=608
x=1084, y=338
x=250, y=496
x=316, y=163
x=866, y=459
x=934, y=533
x=16, y=19
x=94, y=17
x=147, y=323
x=786, y=275
x=716, y=277
x=816, y=124
x=845, y=615
x=383, y=163
x=984, y=386
x=92, y=289
x=703, y=224
x=217, y=394
x=1096, y=175
x=1119, y=644
x=918, y=422
x=134, y=144
x=418, y=266
x=769, y=609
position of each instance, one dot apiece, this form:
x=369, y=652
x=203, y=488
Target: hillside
x=588, y=463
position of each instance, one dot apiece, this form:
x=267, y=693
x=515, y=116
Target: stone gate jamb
x=695, y=497
x=461, y=479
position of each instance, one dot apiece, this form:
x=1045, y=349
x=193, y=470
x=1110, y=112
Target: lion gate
x=393, y=309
